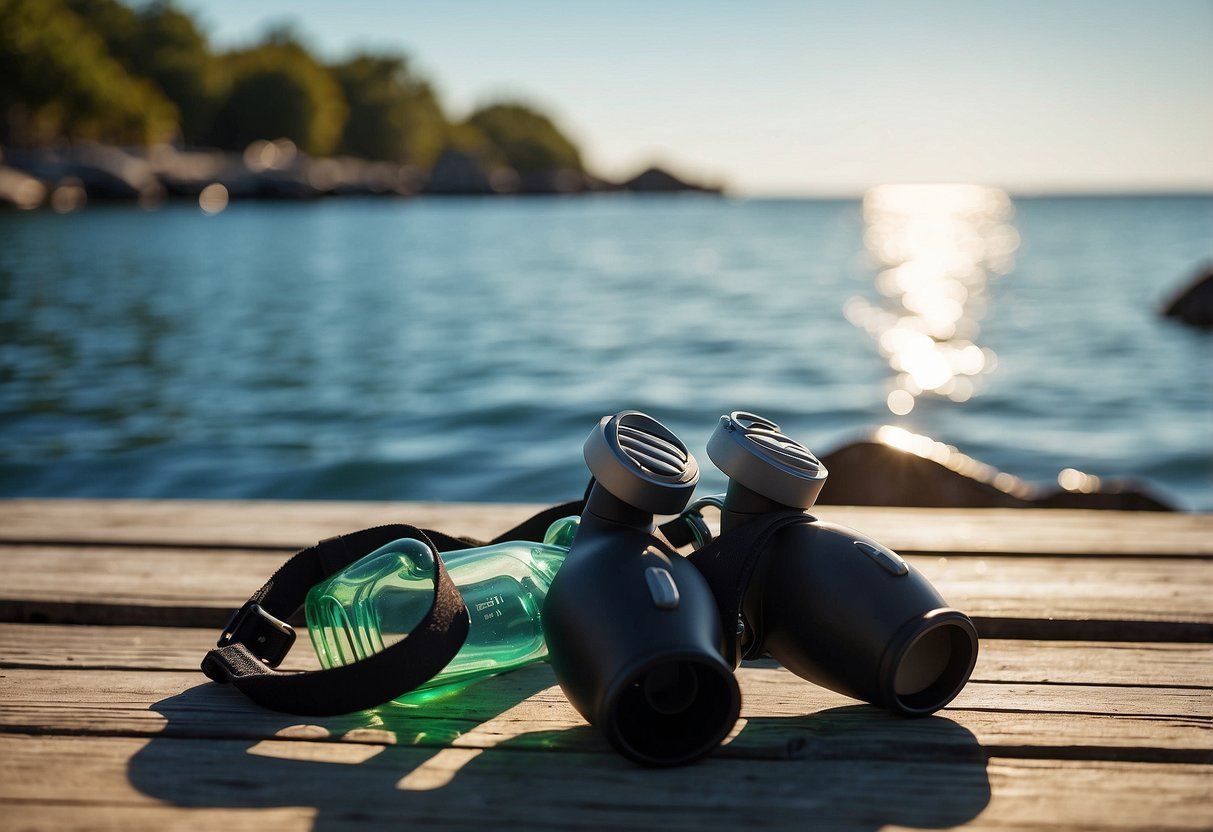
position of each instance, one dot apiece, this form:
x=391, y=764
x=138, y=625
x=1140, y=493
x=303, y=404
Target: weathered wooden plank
x=165, y=783
x=1141, y=599
x=53, y=646
x=292, y=525
x=106, y=816
x=784, y=716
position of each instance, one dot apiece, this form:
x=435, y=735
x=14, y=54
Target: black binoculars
x=644, y=641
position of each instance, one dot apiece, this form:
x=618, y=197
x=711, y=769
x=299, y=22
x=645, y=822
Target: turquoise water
x=456, y=349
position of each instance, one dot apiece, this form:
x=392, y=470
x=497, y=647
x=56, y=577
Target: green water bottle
x=379, y=599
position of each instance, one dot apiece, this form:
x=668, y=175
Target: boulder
x=871, y=473
x=103, y=172
x=917, y=471
x=656, y=180
x=1193, y=304
x=551, y=182
x=457, y=172
x=112, y=173
x=1119, y=494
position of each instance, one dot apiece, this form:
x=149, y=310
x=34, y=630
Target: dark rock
x=456, y=172
x=112, y=173
x=929, y=474
x=1193, y=305
x=597, y=184
x=103, y=172
x=275, y=184
x=656, y=180
x=551, y=182
x=187, y=172
x=1116, y=494
x=876, y=474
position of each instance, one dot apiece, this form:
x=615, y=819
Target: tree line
x=102, y=71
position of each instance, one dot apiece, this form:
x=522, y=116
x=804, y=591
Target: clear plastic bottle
x=377, y=600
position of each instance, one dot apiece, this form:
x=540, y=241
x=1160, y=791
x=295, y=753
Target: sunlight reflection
x=23, y=191
x=949, y=457
x=213, y=198
x=350, y=754
x=1072, y=479
x=263, y=155
x=69, y=195
x=438, y=770
x=939, y=245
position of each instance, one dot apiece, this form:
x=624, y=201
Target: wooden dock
x=1091, y=706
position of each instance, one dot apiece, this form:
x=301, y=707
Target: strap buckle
x=266, y=637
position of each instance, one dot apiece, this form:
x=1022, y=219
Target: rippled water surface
x=462, y=349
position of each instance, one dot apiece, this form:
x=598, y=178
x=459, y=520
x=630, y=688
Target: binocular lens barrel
x=632, y=628
x=673, y=711
x=831, y=605
x=640, y=657
x=838, y=609
x=935, y=663
x=924, y=663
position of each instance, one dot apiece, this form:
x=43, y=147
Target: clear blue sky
x=815, y=98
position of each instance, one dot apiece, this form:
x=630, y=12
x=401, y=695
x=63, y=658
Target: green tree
x=162, y=44
x=526, y=139
x=464, y=138
x=278, y=90
x=60, y=81
x=393, y=115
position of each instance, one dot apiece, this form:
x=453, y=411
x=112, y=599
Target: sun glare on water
x=937, y=247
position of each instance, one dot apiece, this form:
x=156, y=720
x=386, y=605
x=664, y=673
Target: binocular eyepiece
x=833, y=606
x=633, y=630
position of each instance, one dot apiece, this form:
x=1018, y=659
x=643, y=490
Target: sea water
x=461, y=349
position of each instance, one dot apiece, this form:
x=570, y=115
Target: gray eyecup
x=641, y=462
x=751, y=450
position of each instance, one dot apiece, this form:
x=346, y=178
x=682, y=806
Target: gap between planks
x=1011, y=597
x=53, y=646
x=293, y=525
x=782, y=717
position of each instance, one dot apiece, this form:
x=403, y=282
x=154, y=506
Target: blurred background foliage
x=102, y=71
x=526, y=139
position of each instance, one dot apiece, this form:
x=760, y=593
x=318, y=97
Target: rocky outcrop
x=459, y=173
x=102, y=172
x=1193, y=304
x=656, y=180
x=277, y=170
x=19, y=189
x=919, y=472
x=870, y=473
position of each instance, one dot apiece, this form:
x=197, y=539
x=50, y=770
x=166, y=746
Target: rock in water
x=873, y=473
x=918, y=471
x=1193, y=305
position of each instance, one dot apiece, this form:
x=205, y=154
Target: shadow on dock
x=851, y=767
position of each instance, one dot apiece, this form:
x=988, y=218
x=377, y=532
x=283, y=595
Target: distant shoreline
x=67, y=177
x=71, y=175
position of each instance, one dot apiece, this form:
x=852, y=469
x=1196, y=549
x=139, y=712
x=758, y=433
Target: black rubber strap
x=257, y=639
x=536, y=527
x=728, y=563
